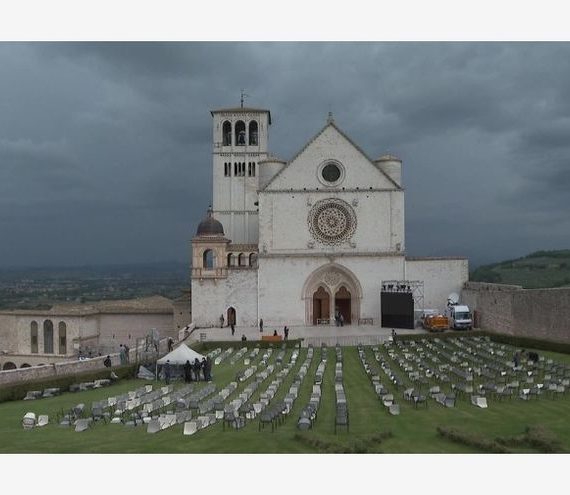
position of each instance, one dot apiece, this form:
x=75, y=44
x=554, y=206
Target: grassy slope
x=413, y=430
x=541, y=269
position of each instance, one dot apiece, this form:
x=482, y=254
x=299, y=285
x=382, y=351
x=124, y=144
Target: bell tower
x=240, y=139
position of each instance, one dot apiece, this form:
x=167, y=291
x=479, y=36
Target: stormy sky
x=105, y=148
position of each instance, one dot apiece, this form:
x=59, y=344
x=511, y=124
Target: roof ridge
x=345, y=136
x=296, y=155
x=342, y=133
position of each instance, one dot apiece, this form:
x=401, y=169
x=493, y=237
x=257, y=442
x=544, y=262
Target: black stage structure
x=397, y=300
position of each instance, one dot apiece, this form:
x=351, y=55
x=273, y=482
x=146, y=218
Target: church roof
x=242, y=110
x=210, y=226
x=331, y=123
x=388, y=158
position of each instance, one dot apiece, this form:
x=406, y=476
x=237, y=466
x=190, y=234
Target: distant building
x=305, y=241
x=31, y=337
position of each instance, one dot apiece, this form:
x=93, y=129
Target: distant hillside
x=39, y=288
x=538, y=270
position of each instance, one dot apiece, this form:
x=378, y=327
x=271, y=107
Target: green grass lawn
x=413, y=431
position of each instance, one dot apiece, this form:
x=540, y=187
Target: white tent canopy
x=180, y=355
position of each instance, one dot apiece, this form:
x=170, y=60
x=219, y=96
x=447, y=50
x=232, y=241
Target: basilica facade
x=309, y=240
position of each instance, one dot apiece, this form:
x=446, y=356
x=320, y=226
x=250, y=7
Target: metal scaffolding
x=416, y=287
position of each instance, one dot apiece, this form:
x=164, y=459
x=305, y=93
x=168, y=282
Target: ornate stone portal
x=330, y=290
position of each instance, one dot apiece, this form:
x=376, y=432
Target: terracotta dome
x=210, y=226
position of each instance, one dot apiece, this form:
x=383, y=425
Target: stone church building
x=303, y=241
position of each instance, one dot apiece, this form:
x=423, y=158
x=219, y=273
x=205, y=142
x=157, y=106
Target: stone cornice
x=239, y=153
x=241, y=212
x=340, y=254
x=331, y=190
x=242, y=247
x=435, y=258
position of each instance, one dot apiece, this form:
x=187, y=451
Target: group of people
x=285, y=333
x=124, y=354
x=192, y=371
x=519, y=356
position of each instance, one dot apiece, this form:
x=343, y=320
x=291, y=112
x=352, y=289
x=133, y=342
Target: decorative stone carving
x=332, y=221
x=332, y=278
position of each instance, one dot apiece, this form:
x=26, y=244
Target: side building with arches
x=34, y=337
x=309, y=241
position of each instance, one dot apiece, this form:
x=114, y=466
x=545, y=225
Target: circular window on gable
x=331, y=173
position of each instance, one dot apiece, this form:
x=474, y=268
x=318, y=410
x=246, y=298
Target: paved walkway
x=330, y=335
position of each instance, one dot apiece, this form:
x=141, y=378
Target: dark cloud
x=105, y=148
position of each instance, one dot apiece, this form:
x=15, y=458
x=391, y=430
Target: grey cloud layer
x=105, y=147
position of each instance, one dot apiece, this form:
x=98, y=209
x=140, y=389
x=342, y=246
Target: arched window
x=226, y=134
x=231, y=259
x=25, y=365
x=253, y=259
x=34, y=337
x=9, y=366
x=48, y=337
x=240, y=133
x=208, y=259
x=239, y=169
x=62, y=337
x=241, y=259
x=253, y=133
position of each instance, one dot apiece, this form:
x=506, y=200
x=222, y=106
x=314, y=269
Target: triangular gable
x=331, y=143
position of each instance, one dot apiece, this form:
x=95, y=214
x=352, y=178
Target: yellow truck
x=435, y=323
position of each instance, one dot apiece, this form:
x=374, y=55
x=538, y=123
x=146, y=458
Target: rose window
x=332, y=221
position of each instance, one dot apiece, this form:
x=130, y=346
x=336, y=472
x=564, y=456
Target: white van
x=459, y=317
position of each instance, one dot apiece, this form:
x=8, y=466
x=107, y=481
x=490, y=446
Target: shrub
x=535, y=437
x=472, y=440
x=530, y=343
x=18, y=391
x=355, y=446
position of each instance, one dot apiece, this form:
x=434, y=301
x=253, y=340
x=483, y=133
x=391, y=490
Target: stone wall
x=8, y=339
x=211, y=298
x=61, y=368
x=182, y=311
x=282, y=281
x=49, y=370
x=510, y=309
x=441, y=277
x=117, y=329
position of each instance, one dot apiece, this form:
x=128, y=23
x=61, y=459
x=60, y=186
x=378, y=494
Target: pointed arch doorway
x=231, y=316
x=321, y=305
x=342, y=304
x=336, y=285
